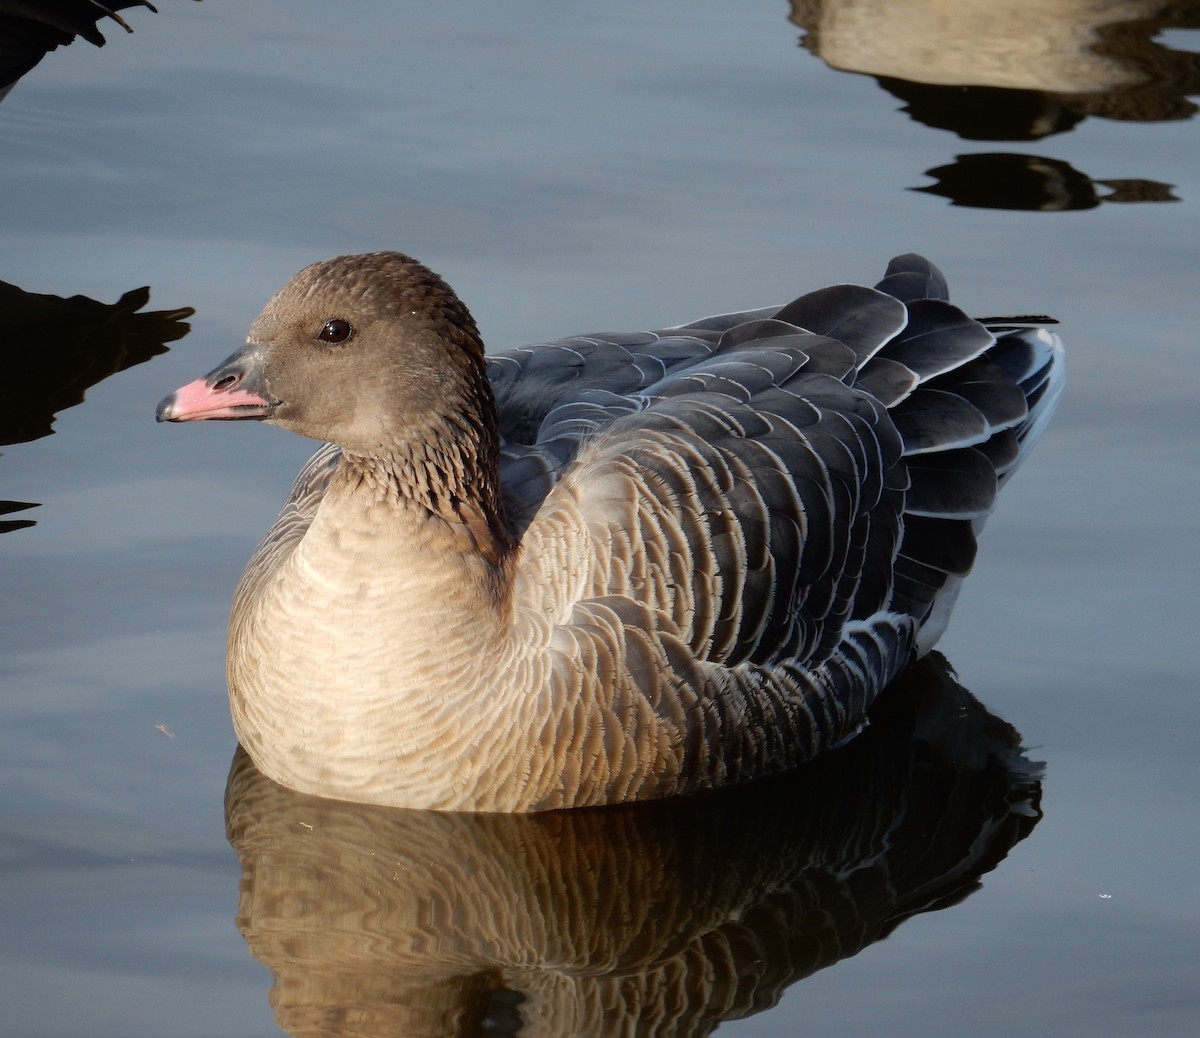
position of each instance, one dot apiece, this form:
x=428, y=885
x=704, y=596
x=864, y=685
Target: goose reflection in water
x=1033, y=183
x=79, y=342
x=1016, y=70
x=30, y=29
x=664, y=918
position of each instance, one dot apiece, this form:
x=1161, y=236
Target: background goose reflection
x=664, y=918
x=1094, y=57
x=56, y=348
x=1015, y=70
x=1031, y=182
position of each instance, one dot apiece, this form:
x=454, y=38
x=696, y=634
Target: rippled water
x=569, y=168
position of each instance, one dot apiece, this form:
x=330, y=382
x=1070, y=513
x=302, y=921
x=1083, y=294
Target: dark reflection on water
x=980, y=113
x=56, y=348
x=1002, y=180
x=663, y=918
x=29, y=31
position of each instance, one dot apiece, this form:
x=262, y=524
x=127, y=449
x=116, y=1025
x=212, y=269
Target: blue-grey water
x=570, y=168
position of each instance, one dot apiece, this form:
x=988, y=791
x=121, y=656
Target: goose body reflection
x=1052, y=45
x=1034, y=183
x=609, y=568
x=1012, y=69
x=663, y=918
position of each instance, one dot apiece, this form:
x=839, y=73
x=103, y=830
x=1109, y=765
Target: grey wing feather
x=529, y=382
x=911, y=277
x=862, y=318
x=938, y=338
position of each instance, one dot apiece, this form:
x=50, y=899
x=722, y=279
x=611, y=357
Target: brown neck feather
x=451, y=471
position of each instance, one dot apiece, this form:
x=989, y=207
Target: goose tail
x=969, y=398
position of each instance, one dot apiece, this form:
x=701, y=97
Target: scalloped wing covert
x=759, y=480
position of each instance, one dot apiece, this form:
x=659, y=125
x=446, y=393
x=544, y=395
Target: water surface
x=571, y=169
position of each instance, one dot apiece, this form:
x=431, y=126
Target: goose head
x=373, y=352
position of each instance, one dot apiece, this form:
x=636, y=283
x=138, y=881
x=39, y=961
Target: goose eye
x=335, y=331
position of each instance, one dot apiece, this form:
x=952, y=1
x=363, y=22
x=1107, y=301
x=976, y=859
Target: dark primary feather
x=911, y=277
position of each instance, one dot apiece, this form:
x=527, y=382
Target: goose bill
x=234, y=390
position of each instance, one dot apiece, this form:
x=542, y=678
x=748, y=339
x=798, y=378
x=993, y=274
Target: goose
x=610, y=567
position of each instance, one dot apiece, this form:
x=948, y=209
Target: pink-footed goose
x=613, y=567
